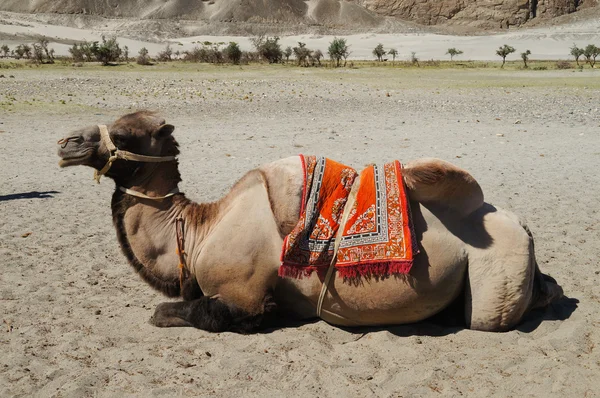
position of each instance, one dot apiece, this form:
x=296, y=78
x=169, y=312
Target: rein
x=184, y=273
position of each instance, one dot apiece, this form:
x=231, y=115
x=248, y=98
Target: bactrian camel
x=467, y=247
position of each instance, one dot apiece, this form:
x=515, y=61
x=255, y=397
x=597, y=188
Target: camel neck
x=147, y=235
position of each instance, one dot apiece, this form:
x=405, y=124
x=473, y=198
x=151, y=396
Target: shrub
x=287, y=53
x=107, y=52
x=233, y=53
x=525, y=57
x=316, y=56
x=413, y=59
x=268, y=48
x=76, y=53
x=5, y=50
x=302, y=54
x=563, y=65
x=143, y=58
x=166, y=54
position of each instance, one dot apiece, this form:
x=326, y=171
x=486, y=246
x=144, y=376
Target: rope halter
x=116, y=153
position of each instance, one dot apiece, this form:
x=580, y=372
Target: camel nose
x=64, y=141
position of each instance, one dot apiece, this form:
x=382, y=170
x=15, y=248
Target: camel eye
x=119, y=140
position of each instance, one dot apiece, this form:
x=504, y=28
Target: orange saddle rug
x=377, y=239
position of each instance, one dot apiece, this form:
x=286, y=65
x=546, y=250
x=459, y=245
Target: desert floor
x=75, y=315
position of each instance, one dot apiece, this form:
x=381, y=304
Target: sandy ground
x=551, y=42
x=75, y=315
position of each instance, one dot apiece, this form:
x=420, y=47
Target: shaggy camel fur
x=468, y=248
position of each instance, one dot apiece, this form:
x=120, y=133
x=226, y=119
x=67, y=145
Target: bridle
x=116, y=153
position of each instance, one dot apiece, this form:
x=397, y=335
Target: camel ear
x=163, y=131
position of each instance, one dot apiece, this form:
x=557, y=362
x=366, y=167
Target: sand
x=75, y=315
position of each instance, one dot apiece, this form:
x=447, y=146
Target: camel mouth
x=74, y=160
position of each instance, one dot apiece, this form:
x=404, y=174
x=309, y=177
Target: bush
x=303, y=55
x=143, y=58
x=76, y=53
x=166, y=54
x=287, y=53
x=268, y=48
x=413, y=59
x=233, y=53
x=107, y=52
x=563, y=65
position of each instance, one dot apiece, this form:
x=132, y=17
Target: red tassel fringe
x=371, y=270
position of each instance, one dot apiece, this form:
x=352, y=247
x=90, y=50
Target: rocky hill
x=359, y=14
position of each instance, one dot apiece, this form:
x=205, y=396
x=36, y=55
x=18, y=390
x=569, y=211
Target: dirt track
x=75, y=314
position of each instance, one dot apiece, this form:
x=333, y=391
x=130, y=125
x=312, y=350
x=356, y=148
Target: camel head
x=141, y=133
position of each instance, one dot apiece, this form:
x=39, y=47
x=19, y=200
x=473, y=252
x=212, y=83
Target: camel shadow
x=28, y=195
x=559, y=310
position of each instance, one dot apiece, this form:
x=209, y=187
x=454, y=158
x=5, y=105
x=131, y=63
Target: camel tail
x=439, y=182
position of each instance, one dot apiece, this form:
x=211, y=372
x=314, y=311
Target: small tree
x=393, y=52
x=126, y=54
x=43, y=44
x=525, y=57
x=379, y=52
x=338, y=50
x=576, y=52
x=287, y=53
x=38, y=53
x=18, y=52
x=590, y=52
x=268, y=48
x=143, y=58
x=76, y=53
x=302, y=54
x=89, y=50
x=413, y=59
x=233, y=53
x=503, y=52
x=317, y=55
x=166, y=54
x=453, y=52
x=27, y=51
x=5, y=50
x=108, y=51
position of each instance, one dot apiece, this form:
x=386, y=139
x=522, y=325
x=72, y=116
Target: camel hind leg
x=500, y=281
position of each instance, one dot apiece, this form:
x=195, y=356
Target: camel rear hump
x=436, y=181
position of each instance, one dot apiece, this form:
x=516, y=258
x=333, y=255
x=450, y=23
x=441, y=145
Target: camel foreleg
x=210, y=314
